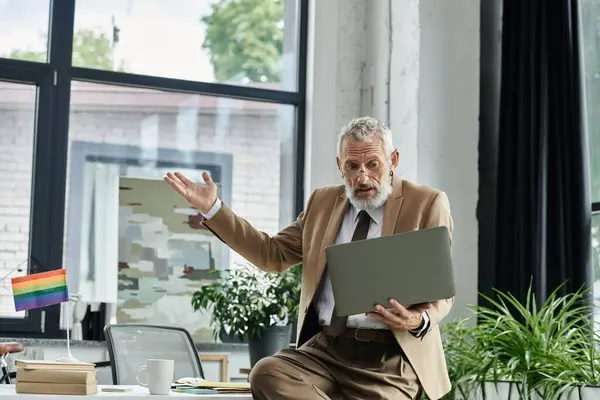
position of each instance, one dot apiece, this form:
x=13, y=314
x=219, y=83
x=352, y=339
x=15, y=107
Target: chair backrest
x=130, y=345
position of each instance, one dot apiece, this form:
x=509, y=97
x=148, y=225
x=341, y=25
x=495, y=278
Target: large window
x=250, y=42
x=101, y=100
x=591, y=55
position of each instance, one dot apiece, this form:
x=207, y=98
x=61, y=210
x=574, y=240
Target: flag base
x=67, y=358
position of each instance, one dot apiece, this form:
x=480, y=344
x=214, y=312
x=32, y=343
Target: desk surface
x=7, y=392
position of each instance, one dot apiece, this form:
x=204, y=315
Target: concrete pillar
x=376, y=72
x=415, y=65
x=335, y=60
x=404, y=84
x=363, y=60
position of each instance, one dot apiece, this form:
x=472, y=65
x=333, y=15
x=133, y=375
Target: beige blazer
x=410, y=207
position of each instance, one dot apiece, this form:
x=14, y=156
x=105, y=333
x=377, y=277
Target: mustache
x=365, y=187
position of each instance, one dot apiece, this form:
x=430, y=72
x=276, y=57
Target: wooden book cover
x=42, y=364
x=56, y=388
x=55, y=375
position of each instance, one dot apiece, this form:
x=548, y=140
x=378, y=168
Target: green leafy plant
x=244, y=39
x=547, y=351
x=462, y=363
x=293, y=283
x=245, y=301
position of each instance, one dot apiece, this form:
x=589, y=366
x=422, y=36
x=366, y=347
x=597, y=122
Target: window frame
x=40, y=76
x=52, y=129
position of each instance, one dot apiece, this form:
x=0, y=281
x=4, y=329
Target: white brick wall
x=251, y=135
x=16, y=149
x=253, y=141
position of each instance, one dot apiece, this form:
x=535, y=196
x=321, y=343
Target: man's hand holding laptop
x=399, y=317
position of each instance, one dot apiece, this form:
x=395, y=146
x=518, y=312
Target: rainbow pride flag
x=40, y=290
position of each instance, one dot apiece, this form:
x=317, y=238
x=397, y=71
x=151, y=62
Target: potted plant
x=253, y=306
x=521, y=350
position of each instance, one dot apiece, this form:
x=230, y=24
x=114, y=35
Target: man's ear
x=339, y=164
x=395, y=158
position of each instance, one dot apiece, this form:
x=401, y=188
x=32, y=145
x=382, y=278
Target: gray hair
x=363, y=130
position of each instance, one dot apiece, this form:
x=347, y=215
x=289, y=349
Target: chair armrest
x=101, y=364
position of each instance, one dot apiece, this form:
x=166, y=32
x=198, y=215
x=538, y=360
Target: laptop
x=411, y=267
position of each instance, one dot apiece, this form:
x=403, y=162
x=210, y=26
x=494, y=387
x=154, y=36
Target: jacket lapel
x=333, y=226
x=392, y=208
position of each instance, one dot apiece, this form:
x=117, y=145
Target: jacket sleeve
x=269, y=253
x=439, y=215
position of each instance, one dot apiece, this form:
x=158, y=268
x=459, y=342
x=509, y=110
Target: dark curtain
x=543, y=217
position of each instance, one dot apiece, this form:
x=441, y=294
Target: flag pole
x=69, y=356
x=68, y=329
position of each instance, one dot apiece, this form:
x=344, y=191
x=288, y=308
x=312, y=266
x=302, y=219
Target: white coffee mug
x=159, y=375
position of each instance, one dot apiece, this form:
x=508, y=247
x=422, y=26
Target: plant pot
x=273, y=339
x=501, y=391
x=229, y=338
x=589, y=393
x=507, y=391
x=294, y=325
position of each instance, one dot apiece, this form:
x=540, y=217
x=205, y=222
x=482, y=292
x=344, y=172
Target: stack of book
x=47, y=377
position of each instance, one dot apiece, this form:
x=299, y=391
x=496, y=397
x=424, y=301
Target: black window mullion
x=300, y=131
x=21, y=71
x=185, y=86
x=51, y=155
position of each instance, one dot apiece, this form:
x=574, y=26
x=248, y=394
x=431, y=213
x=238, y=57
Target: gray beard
x=383, y=192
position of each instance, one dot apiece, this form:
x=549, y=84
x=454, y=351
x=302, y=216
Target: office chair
x=130, y=345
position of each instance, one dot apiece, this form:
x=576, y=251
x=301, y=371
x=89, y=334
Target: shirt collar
x=376, y=214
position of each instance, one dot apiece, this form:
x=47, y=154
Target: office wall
x=415, y=65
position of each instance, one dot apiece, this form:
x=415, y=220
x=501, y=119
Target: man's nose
x=362, y=178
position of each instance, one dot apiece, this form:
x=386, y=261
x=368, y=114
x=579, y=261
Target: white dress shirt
x=324, y=300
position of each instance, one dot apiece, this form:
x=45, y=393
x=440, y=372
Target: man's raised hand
x=200, y=196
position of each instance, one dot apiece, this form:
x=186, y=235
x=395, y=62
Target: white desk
x=7, y=392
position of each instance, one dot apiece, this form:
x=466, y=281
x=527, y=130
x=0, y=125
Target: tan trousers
x=335, y=368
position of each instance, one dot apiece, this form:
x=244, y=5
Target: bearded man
x=392, y=352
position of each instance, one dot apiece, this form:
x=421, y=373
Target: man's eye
x=373, y=164
x=351, y=166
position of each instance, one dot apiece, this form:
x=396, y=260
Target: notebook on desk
x=220, y=387
x=412, y=267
